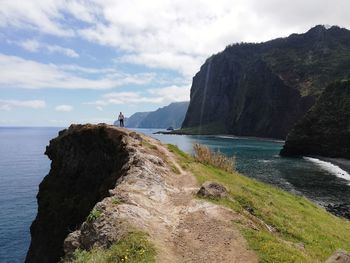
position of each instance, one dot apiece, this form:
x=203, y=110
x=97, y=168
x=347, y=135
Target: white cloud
x=45, y=16
x=99, y=108
x=160, y=96
x=30, y=45
x=35, y=46
x=183, y=63
x=12, y=104
x=19, y=72
x=168, y=34
x=172, y=93
x=64, y=108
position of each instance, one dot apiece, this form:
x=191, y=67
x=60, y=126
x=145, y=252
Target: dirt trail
x=203, y=232
x=161, y=201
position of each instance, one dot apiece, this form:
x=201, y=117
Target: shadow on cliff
x=86, y=163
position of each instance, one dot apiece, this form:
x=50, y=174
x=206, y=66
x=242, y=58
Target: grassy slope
x=133, y=248
x=305, y=232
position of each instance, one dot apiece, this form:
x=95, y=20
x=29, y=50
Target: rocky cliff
x=86, y=163
x=263, y=89
x=325, y=129
x=134, y=121
x=105, y=182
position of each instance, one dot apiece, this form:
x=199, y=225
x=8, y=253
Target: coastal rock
x=325, y=129
x=86, y=160
x=342, y=210
x=263, y=89
x=340, y=256
x=212, y=189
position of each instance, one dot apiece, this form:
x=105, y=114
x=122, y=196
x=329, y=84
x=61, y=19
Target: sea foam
x=334, y=169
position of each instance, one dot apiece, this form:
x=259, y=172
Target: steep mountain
x=171, y=115
x=263, y=89
x=168, y=116
x=325, y=129
x=135, y=120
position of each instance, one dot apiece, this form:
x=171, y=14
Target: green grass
x=304, y=231
x=133, y=248
x=149, y=145
x=116, y=201
x=94, y=214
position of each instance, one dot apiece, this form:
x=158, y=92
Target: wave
x=334, y=169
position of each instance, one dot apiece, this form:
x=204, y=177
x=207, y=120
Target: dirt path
x=160, y=200
x=203, y=232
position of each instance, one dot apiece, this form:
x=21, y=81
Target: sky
x=84, y=61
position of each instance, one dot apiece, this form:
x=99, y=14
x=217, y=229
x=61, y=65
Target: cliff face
x=325, y=129
x=171, y=115
x=263, y=89
x=134, y=120
x=86, y=163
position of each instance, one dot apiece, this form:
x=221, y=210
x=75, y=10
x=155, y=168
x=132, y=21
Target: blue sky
x=82, y=61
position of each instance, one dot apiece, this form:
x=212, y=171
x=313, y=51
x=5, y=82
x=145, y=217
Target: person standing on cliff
x=121, y=119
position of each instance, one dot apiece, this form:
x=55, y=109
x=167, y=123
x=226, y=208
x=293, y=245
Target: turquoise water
x=260, y=159
x=23, y=165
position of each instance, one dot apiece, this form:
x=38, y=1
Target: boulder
x=340, y=256
x=212, y=189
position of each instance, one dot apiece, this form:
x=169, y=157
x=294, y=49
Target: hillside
x=163, y=118
x=325, y=129
x=263, y=89
x=134, y=121
x=137, y=202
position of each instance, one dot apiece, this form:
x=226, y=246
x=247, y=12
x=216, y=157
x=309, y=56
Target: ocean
x=23, y=165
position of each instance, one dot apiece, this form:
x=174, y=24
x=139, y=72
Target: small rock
x=340, y=256
x=212, y=189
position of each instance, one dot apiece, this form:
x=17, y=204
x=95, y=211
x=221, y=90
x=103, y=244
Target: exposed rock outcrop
x=263, y=89
x=86, y=162
x=212, y=189
x=137, y=189
x=342, y=210
x=340, y=256
x=325, y=129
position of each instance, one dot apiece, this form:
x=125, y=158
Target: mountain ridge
x=263, y=89
x=171, y=115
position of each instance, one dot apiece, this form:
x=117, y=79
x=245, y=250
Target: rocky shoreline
x=339, y=209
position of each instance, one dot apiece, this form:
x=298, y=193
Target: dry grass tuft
x=205, y=156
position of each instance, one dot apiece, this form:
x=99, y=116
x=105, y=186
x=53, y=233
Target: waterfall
x=204, y=94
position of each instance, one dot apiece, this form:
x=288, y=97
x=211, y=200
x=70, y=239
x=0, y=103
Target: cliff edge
x=105, y=181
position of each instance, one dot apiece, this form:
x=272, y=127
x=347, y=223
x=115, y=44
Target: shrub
x=133, y=248
x=205, y=156
x=94, y=214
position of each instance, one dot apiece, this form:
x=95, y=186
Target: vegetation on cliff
x=263, y=89
x=132, y=248
x=113, y=195
x=325, y=129
x=279, y=226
